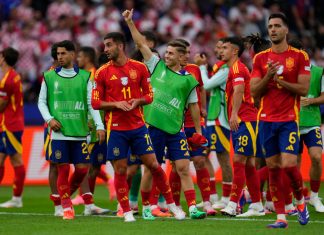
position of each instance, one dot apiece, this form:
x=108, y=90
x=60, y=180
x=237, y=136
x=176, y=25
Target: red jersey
x=217, y=66
x=238, y=75
x=195, y=72
x=123, y=83
x=279, y=104
x=12, y=118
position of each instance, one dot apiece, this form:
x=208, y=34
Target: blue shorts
x=311, y=139
x=68, y=151
x=189, y=131
x=176, y=144
x=46, y=142
x=218, y=138
x=278, y=137
x=244, y=139
x=137, y=141
x=98, y=153
x=258, y=152
x=10, y=142
x=134, y=160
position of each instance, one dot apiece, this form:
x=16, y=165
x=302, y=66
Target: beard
x=277, y=41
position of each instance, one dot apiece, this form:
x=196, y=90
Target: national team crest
x=58, y=154
x=116, y=151
x=290, y=63
x=124, y=81
x=133, y=74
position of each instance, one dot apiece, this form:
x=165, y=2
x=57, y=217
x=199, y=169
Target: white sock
x=300, y=202
x=191, y=208
x=281, y=217
x=313, y=195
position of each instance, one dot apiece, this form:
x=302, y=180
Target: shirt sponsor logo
x=113, y=78
x=56, y=88
x=307, y=68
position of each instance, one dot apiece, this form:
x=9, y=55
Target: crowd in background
x=32, y=26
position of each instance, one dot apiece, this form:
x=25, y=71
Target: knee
x=183, y=170
x=316, y=159
x=199, y=163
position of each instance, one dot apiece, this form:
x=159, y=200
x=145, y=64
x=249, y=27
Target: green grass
x=36, y=217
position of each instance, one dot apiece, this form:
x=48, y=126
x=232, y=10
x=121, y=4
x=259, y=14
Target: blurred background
x=32, y=26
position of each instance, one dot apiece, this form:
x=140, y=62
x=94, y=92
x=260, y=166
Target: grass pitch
x=36, y=217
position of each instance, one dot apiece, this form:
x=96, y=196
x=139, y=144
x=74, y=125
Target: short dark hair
x=150, y=36
x=116, y=37
x=90, y=53
x=10, y=56
x=67, y=44
x=102, y=59
x=54, y=51
x=295, y=42
x=185, y=42
x=236, y=41
x=258, y=44
x=279, y=15
x=182, y=48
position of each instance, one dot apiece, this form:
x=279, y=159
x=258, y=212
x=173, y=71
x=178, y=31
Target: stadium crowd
x=32, y=26
x=264, y=89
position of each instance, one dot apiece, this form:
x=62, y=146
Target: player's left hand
x=305, y=101
x=200, y=59
x=134, y=103
x=101, y=135
x=197, y=140
x=203, y=112
x=234, y=122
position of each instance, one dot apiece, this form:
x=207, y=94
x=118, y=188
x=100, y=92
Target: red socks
x=190, y=196
x=63, y=185
x=253, y=183
x=154, y=194
x=276, y=189
x=212, y=185
x=296, y=181
x=175, y=184
x=122, y=191
x=263, y=175
x=55, y=199
x=203, y=183
x=19, y=180
x=314, y=185
x=77, y=178
x=87, y=198
x=238, y=181
x=161, y=182
x=146, y=198
x=227, y=187
x=1, y=173
x=287, y=189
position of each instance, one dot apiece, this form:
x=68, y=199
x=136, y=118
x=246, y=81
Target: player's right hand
x=101, y=135
x=128, y=15
x=123, y=105
x=200, y=59
x=272, y=68
x=54, y=125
